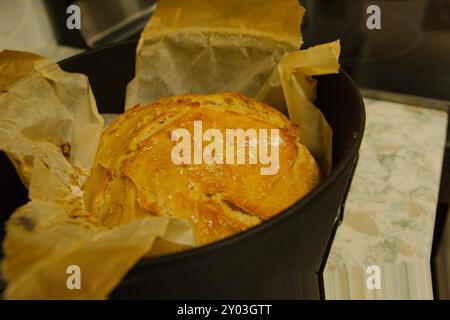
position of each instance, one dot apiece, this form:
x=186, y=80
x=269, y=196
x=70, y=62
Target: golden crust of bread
x=134, y=175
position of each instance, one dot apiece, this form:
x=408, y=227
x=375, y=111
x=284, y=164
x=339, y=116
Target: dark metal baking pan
x=279, y=259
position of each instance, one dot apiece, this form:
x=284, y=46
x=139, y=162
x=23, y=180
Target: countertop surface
x=390, y=211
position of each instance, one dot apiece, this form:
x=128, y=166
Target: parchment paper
x=251, y=47
x=50, y=128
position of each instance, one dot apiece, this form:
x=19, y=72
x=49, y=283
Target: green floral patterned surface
x=390, y=211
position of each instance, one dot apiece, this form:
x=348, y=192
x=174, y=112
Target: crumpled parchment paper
x=50, y=129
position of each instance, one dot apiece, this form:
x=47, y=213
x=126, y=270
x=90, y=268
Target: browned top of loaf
x=134, y=175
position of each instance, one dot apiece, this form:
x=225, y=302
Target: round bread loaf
x=134, y=174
